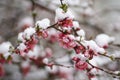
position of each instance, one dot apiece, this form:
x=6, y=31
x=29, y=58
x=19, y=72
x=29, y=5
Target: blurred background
x=94, y=16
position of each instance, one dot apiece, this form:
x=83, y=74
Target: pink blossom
x=22, y=53
x=80, y=64
x=90, y=53
x=24, y=48
x=44, y=34
x=66, y=41
x=79, y=49
x=66, y=22
x=76, y=59
x=31, y=43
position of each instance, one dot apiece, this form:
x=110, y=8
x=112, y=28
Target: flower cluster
x=41, y=27
x=64, y=19
x=73, y=37
x=67, y=32
x=29, y=38
x=27, y=41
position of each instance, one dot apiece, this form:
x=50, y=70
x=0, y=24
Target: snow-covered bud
x=4, y=49
x=76, y=25
x=92, y=45
x=60, y=14
x=29, y=32
x=42, y=24
x=21, y=37
x=103, y=40
x=81, y=33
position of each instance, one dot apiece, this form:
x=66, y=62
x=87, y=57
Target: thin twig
x=61, y=1
x=33, y=11
x=109, y=72
x=111, y=57
x=54, y=26
x=63, y=66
